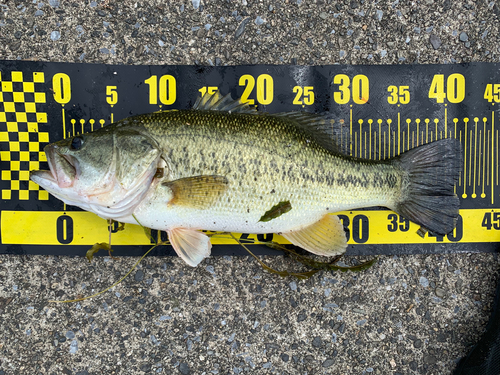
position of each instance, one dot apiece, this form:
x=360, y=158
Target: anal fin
x=191, y=245
x=325, y=237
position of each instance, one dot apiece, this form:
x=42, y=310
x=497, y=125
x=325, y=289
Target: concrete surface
x=405, y=315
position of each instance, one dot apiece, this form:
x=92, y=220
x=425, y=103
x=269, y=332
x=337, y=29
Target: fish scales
x=223, y=167
x=267, y=160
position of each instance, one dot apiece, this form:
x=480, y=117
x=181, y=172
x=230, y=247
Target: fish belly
x=241, y=208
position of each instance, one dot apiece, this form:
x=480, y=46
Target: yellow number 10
x=167, y=92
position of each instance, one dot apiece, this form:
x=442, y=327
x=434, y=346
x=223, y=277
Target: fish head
x=105, y=172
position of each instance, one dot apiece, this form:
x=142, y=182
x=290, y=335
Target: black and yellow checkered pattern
x=21, y=142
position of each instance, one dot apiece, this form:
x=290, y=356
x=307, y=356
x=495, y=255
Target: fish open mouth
x=62, y=168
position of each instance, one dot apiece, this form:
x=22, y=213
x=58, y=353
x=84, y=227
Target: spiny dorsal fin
x=217, y=102
x=318, y=127
x=198, y=191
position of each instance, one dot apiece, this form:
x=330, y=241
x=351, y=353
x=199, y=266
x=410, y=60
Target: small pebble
x=73, y=347
x=435, y=41
x=241, y=28
x=464, y=37
x=424, y=282
x=184, y=369
x=139, y=275
x=328, y=363
x=440, y=292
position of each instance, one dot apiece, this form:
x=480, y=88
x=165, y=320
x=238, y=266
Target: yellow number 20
x=265, y=88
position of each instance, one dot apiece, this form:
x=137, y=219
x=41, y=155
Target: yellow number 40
x=455, y=88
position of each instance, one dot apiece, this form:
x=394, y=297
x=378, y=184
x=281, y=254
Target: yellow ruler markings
x=360, y=122
x=350, y=128
x=462, y=172
x=475, y=159
x=41, y=228
x=408, y=121
x=446, y=120
x=380, y=140
x=492, y=148
x=470, y=156
x=399, y=133
x=370, y=146
x=389, y=136
x=366, y=136
x=394, y=140
x=355, y=144
x=488, y=161
x=426, y=130
x=64, y=122
x=384, y=145
x=418, y=132
x=484, y=157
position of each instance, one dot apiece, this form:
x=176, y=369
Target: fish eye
x=77, y=143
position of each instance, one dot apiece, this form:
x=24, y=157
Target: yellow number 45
x=492, y=92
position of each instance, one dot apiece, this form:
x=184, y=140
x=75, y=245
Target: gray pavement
x=406, y=315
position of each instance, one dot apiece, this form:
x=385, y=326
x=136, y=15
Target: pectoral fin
x=325, y=237
x=191, y=245
x=198, y=191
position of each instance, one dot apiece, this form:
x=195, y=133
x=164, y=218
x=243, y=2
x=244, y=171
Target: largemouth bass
x=223, y=166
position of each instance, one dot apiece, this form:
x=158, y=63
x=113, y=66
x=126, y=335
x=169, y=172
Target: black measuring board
x=376, y=112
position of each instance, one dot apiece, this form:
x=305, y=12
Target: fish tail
x=430, y=174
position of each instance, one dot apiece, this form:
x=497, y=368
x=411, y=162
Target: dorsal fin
x=217, y=102
x=318, y=127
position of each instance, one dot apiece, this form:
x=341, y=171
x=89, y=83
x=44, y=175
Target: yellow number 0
x=61, y=84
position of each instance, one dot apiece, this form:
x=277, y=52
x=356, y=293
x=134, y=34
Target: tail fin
x=428, y=196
